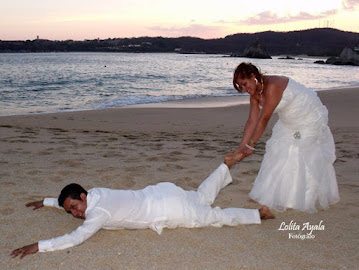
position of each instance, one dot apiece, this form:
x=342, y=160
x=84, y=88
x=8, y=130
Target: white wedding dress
x=297, y=169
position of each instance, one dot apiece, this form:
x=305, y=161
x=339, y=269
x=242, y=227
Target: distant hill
x=318, y=42
x=314, y=42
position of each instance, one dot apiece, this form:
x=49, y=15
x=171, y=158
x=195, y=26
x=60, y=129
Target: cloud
x=197, y=30
x=268, y=17
x=350, y=4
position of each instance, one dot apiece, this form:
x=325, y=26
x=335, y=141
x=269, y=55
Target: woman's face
x=247, y=85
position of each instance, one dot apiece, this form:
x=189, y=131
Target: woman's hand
x=244, y=151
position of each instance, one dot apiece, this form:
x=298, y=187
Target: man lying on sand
x=164, y=205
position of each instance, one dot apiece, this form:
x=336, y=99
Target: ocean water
x=58, y=82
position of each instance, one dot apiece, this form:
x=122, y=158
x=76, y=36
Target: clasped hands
x=241, y=153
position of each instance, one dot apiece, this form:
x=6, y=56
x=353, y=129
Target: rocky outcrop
x=256, y=50
x=347, y=57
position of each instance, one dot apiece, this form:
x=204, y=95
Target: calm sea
x=57, y=82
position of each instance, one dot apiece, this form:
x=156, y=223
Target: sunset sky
x=90, y=19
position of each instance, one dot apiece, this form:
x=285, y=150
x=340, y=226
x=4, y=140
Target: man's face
x=76, y=208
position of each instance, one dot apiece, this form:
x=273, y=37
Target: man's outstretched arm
x=51, y=202
x=33, y=248
x=36, y=204
x=91, y=225
x=23, y=251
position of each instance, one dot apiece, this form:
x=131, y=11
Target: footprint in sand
x=250, y=172
x=32, y=198
x=172, y=158
x=252, y=162
x=19, y=193
x=176, y=153
x=186, y=182
x=19, y=141
x=111, y=139
x=70, y=163
x=6, y=126
x=6, y=212
x=56, y=179
x=137, y=168
x=128, y=183
x=113, y=154
x=152, y=159
x=235, y=182
x=348, y=154
x=34, y=172
x=2, y=175
x=8, y=184
x=204, y=156
x=170, y=167
x=156, y=147
x=45, y=153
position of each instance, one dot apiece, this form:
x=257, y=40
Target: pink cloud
x=350, y=4
x=268, y=17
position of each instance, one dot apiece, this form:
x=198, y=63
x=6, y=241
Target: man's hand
x=30, y=249
x=36, y=205
x=244, y=152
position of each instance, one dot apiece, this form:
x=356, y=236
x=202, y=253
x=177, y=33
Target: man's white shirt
x=164, y=205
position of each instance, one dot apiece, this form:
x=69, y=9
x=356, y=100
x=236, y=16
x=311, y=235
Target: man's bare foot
x=252, y=201
x=232, y=159
x=265, y=213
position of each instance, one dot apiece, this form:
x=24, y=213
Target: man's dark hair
x=73, y=191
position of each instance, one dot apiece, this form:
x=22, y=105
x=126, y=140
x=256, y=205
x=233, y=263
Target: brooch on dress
x=297, y=135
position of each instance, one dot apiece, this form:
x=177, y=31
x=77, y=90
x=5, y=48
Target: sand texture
x=130, y=148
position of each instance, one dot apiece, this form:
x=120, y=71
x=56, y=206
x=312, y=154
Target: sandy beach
x=130, y=148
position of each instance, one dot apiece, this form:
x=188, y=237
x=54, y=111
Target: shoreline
x=214, y=102
x=191, y=103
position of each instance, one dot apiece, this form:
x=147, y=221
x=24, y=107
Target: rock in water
x=256, y=50
x=349, y=56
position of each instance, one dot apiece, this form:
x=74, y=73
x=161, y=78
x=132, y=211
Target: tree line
x=313, y=42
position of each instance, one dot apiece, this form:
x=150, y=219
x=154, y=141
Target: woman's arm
x=251, y=122
x=272, y=99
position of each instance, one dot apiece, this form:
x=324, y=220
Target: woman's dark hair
x=73, y=191
x=245, y=71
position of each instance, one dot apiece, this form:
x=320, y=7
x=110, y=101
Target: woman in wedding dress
x=297, y=169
